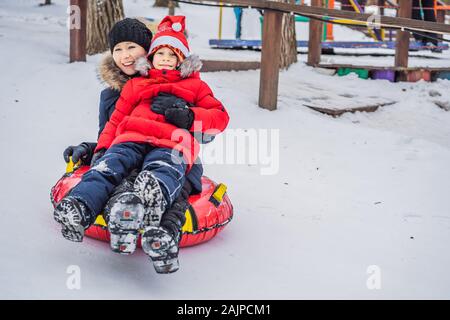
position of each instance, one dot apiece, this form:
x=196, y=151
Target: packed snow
x=352, y=207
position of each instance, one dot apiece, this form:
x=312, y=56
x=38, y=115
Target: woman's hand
x=81, y=152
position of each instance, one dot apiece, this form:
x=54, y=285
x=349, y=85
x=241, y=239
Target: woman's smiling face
x=125, y=55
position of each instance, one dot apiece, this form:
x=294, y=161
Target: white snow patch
x=365, y=189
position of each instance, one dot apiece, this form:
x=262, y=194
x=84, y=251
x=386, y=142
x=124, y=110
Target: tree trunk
x=288, y=39
x=171, y=8
x=102, y=15
x=164, y=3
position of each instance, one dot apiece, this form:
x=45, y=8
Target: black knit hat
x=130, y=30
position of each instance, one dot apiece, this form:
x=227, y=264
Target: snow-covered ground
x=355, y=197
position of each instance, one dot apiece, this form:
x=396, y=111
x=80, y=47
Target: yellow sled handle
x=188, y=225
x=217, y=196
x=71, y=166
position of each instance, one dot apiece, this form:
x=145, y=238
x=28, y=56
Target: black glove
x=182, y=118
x=83, y=152
x=164, y=101
x=100, y=153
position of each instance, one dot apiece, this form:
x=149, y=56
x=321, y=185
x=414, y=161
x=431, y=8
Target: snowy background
x=365, y=189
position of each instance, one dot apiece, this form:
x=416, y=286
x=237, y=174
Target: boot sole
x=125, y=221
x=150, y=191
x=161, y=249
x=70, y=221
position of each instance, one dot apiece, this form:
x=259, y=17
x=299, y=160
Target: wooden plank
x=222, y=65
x=385, y=21
x=315, y=38
x=402, y=49
x=338, y=112
x=270, y=60
x=335, y=66
x=78, y=23
x=256, y=44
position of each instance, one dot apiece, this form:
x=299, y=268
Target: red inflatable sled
x=208, y=213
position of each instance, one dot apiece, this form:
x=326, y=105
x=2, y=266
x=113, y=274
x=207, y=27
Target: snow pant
x=167, y=165
x=424, y=10
x=194, y=176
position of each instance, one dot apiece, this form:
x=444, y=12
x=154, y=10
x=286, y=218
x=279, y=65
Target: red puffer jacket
x=134, y=121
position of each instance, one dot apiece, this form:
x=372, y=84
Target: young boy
x=147, y=132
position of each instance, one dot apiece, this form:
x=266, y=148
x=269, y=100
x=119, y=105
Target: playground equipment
x=257, y=44
x=377, y=33
x=392, y=74
x=271, y=44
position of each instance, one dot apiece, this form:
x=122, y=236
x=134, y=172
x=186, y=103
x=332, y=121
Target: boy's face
x=165, y=58
x=125, y=55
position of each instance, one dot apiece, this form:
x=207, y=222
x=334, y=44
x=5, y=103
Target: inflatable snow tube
x=207, y=215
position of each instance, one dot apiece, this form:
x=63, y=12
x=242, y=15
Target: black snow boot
x=136, y=203
x=148, y=189
x=127, y=185
x=162, y=248
x=124, y=213
x=174, y=219
x=125, y=220
x=161, y=243
x=74, y=217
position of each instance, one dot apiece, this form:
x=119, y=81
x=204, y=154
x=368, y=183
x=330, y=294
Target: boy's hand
x=164, y=101
x=182, y=118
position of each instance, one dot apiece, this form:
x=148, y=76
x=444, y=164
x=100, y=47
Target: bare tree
x=165, y=3
x=288, y=39
x=172, y=5
x=102, y=15
x=46, y=3
x=161, y=3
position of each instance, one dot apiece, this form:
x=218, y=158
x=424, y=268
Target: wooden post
x=381, y=4
x=440, y=18
x=315, y=37
x=270, y=60
x=77, y=25
x=402, y=37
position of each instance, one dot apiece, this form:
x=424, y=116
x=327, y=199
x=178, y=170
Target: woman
x=129, y=40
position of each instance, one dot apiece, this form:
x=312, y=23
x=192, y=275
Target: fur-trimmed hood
x=112, y=76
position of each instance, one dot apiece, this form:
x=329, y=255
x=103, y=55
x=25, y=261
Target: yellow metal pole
x=220, y=21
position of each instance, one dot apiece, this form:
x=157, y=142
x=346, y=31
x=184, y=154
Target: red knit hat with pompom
x=171, y=34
